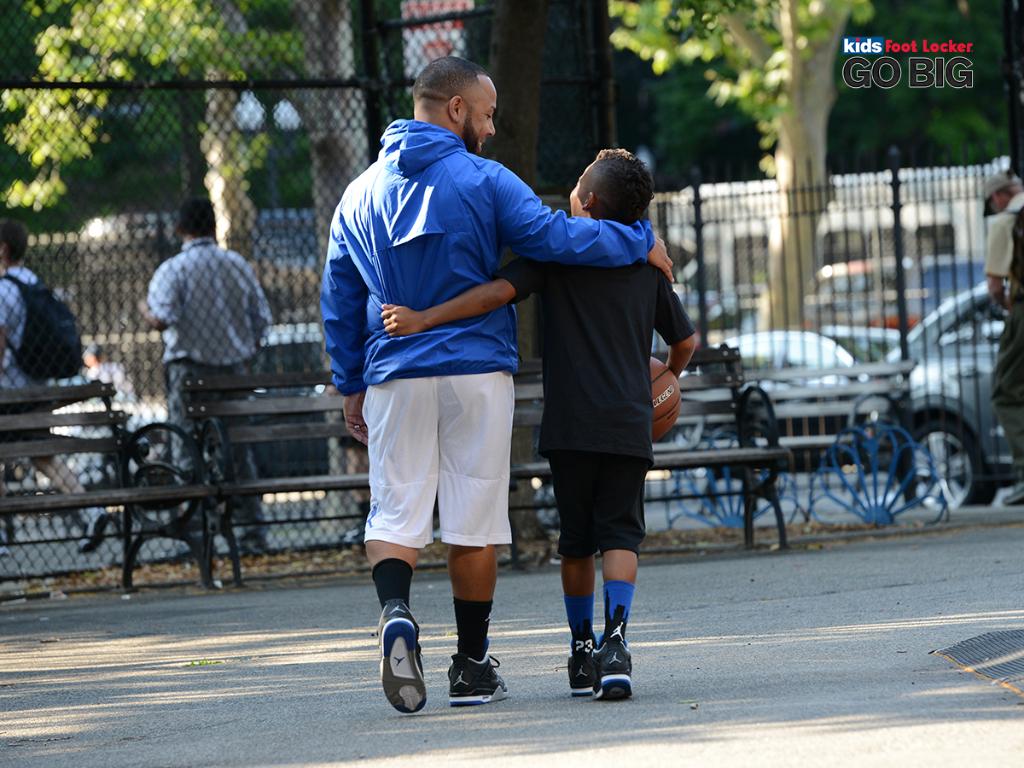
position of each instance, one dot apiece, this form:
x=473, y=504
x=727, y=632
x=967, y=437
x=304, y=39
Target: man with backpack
x=1004, y=262
x=39, y=341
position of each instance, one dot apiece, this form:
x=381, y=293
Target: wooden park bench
x=139, y=478
x=233, y=413
x=739, y=437
x=30, y=413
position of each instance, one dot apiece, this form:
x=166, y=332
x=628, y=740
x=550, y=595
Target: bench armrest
x=755, y=418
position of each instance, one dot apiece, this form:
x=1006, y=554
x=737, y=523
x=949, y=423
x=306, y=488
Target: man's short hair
x=196, y=218
x=623, y=185
x=14, y=234
x=444, y=78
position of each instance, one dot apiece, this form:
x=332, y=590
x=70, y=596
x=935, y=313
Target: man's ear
x=590, y=202
x=456, y=106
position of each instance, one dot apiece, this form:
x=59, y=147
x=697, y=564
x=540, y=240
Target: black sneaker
x=401, y=668
x=613, y=668
x=474, y=682
x=581, y=668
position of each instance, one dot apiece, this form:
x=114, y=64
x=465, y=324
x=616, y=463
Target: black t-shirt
x=598, y=328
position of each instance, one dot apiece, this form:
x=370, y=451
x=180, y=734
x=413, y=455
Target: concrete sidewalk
x=813, y=657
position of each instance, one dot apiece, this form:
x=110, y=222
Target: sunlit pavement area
x=799, y=658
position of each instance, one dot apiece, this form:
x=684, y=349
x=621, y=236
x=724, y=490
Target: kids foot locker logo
x=871, y=63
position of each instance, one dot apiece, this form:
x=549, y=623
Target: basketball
x=664, y=398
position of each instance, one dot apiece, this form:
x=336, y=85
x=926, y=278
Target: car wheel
x=957, y=460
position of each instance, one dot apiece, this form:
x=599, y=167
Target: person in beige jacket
x=1004, y=197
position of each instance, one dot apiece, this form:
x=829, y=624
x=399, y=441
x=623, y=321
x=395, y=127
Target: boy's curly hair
x=623, y=184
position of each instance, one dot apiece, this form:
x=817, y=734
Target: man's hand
x=151, y=320
x=658, y=257
x=996, y=290
x=354, y=422
x=402, y=321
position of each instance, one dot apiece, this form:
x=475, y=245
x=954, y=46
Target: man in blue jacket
x=424, y=223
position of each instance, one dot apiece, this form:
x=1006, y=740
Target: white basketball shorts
x=443, y=437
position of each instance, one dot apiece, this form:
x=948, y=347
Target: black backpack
x=50, y=347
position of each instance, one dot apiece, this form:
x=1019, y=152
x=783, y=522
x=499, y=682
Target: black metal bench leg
x=749, y=505
x=772, y=494
x=227, y=530
x=129, y=563
x=199, y=547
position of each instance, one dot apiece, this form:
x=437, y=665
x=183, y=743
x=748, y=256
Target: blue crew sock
x=580, y=612
x=618, y=598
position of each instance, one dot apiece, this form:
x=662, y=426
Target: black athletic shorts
x=600, y=500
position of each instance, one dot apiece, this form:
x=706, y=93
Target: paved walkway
x=803, y=658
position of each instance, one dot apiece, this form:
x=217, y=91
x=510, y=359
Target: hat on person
x=998, y=181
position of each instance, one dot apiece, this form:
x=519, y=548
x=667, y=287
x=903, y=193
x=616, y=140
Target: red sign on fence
x=425, y=42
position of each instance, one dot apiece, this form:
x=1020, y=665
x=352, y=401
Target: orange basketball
x=664, y=398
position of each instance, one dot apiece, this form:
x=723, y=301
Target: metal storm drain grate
x=998, y=656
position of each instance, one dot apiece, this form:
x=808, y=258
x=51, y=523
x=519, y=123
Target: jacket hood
x=409, y=146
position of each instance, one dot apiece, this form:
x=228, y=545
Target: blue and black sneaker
x=401, y=668
x=474, y=682
x=613, y=670
x=581, y=668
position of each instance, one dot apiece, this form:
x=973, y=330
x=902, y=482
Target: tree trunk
x=517, y=52
x=334, y=119
x=800, y=172
x=800, y=167
x=227, y=154
x=226, y=164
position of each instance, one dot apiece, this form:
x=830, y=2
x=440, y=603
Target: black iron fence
x=889, y=265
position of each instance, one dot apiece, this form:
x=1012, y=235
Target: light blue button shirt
x=212, y=303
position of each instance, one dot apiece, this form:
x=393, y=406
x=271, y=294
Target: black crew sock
x=393, y=578
x=472, y=619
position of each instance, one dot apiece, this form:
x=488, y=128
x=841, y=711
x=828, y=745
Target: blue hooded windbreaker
x=425, y=223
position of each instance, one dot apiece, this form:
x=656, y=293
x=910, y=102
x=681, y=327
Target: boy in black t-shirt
x=596, y=427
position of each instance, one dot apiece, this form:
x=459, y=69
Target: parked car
x=951, y=393
x=950, y=389
x=865, y=343
x=863, y=292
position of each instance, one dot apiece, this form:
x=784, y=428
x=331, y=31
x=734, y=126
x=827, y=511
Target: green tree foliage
x=757, y=54
x=124, y=40
x=691, y=124
x=928, y=121
x=775, y=60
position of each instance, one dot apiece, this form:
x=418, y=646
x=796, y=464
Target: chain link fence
x=115, y=112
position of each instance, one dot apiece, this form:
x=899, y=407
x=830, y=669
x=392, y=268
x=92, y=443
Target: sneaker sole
x=399, y=673
x=581, y=692
x=472, y=701
x=614, y=687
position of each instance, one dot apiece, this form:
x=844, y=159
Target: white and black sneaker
x=401, y=668
x=581, y=668
x=474, y=682
x=613, y=670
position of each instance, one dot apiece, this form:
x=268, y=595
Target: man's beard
x=471, y=137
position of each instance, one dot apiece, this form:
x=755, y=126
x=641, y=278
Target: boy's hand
x=402, y=321
x=658, y=258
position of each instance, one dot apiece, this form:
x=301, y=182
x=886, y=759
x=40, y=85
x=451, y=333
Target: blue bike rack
x=881, y=472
